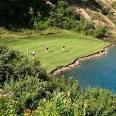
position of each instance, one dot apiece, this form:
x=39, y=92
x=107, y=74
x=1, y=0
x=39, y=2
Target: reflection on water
x=98, y=72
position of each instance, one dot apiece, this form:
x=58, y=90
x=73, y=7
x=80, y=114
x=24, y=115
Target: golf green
x=57, y=49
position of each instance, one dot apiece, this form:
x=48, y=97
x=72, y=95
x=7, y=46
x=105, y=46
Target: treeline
x=26, y=88
x=38, y=14
x=21, y=13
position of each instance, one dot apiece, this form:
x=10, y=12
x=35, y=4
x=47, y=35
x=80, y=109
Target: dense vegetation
x=21, y=13
x=37, y=14
x=27, y=88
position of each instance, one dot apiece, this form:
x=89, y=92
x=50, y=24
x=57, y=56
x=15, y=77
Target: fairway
x=76, y=45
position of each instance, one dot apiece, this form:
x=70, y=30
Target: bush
x=7, y=106
x=101, y=32
x=20, y=13
x=97, y=102
x=29, y=91
x=27, y=86
x=92, y=102
x=66, y=85
x=89, y=28
x=14, y=65
x=63, y=17
x=26, y=92
x=59, y=105
x=41, y=25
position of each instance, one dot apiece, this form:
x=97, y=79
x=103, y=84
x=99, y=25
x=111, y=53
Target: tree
x=21, y=13
x=14, y=65
x=7, y=106
x=26, y=92
x=92, y=102
x=101, y=32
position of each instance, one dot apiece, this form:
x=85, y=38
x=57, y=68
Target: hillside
x=13, y=13
x=40, y=40
x=99, y=11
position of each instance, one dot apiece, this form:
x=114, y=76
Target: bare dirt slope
x=82, y=12
x=98, y=16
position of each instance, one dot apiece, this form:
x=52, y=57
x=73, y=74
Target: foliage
x=63, y=17
x=101, y=32
x=26, y=92
x=45, y=95
x=97, y=102
x=7, y=106
x=92, y=102
x=59, y=105
x=38, y=15
x=87, y=27
x=65, y=84
x=15, y=66
x=20, y=13
x=41, y=25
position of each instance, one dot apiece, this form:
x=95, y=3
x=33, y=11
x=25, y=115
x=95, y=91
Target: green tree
x=26, y=92
x=20, y=13
x=7, y=106
x=59, y=105
x=96, y=102
x=101, y=32
x=92, y=102
x=14, y=65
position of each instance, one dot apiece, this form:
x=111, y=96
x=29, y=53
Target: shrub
x=20, y=13
x=29, y=91
x=26, y=92
x=63, y=17
x=59, y=105
x=66, y=85
x=14, y=65
x=101, y=32
x=41, y=25
x=27, y=86
x=7, y=106
x=92, y=102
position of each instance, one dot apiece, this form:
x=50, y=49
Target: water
x=97, y=72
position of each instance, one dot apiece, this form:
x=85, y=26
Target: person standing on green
x=33, y=53
x=47, y=49
x=63, y=47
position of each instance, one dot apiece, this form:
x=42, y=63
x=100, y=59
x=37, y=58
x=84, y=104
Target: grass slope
x=77, y=45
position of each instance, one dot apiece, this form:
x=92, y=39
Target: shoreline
x=75, y=63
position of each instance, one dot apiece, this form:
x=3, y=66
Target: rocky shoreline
x=60, y=71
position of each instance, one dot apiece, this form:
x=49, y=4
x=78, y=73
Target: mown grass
x=76, y=45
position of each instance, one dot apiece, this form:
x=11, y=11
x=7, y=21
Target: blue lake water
x=97, y=72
